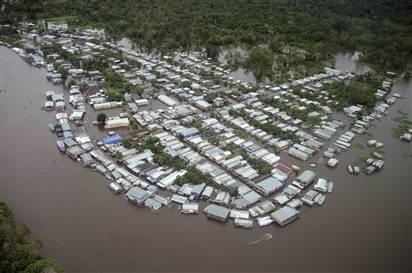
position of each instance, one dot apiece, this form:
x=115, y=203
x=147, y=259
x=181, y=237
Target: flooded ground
x=363, y=226
x=344, y=61
x=348, y=61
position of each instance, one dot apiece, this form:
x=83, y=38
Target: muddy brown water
x=363, y=226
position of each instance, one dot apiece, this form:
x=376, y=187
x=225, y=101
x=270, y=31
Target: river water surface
x=363, y=226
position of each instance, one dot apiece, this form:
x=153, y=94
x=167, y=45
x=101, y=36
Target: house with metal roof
x=285, y=215
x=112, y=139
x=217, y=212
x=304, y=179
x=268, y=185
x=190, y=208
x=239, y=214
x=137, y=196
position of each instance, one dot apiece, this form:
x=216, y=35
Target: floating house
x=285, y=215
x=217, y=212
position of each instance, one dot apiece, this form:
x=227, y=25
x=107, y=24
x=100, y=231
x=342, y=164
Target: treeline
x=379, y=28
x=18, y=251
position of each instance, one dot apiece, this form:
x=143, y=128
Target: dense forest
x=381, y=29
x=18, y=251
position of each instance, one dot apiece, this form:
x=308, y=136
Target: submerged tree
x=101, y=118
x=259, y=62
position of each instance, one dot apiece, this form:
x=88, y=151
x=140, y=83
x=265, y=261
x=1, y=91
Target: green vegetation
x=267, y=127
x=259, y=165
x=404, y=124
x=293, y=111
x=194, y=123
x=127, y=142
x=165, y=159
x=130, y=88
x=232, y=191
x=193, y=176
x=72, y=83
x=367, y=135
x=63, y=72
x=259, y=62
x=116, y=86
x=358, y=146
x=61, y=19
x=379, y=150
x=360, y=161
x=298, y=32
x=19, y=252
x=118, y=155
x=360, y=90
x=160, y=157
x=378, y=28
x=161, y=210
x=113, y=80
x=210, y=97
x=133, y=123
x=101, y=118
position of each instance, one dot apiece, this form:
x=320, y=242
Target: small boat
x=333, y=162
x=350, y=169
x=51, y=127
x=60, y=145
x=330, y=186
x=115, y=188
x=321, y=200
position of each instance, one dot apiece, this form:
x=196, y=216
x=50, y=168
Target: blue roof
x=112, y=139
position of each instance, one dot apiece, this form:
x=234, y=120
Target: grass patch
x=358, y=146
x=60, y=19
x=402, y=113
x=403, y=126
x=360, y=161
x=161, y=210
x=367, y=136
x=379, y=151
x=403, y=121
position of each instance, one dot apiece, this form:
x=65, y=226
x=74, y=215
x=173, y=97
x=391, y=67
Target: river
x=363, y=226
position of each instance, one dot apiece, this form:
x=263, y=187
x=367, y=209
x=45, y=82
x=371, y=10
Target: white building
x=116, y=123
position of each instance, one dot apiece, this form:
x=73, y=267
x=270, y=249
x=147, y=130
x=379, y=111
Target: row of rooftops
x=267, y=185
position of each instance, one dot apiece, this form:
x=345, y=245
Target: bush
x=19, y=252
x=71, y=83
x=101, y=118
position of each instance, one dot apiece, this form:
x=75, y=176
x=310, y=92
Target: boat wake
x=265, y=237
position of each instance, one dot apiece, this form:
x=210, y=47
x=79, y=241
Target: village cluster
x=231, y=132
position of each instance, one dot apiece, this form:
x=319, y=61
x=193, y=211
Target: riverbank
x=19, y=251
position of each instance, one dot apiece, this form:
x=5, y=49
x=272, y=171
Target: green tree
x=233, y=191
x=127, y=142
x=259, y=62
x=63, y=72
x=18, y=251
x=72, y=83
x=118, y=155
x=101, y=118
x=130, y=88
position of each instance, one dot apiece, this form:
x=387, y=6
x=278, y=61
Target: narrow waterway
x=363, y=226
